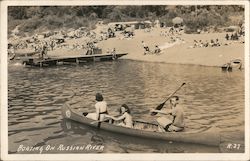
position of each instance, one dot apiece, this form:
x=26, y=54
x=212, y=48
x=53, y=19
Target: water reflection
x=130, y=144
x=36, y=95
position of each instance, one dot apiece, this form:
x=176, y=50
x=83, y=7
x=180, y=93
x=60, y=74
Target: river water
x=35, y=97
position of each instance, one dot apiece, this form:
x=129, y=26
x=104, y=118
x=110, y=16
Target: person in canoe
x=101, y=109
x=176, y=123
x=126, y=117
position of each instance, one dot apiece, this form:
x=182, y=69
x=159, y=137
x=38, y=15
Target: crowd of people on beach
x=212, y=43
x=174, y=33
x=50, y=41
x=237, y=34
x=233, y=36
x=61, y=39
x=156, y=50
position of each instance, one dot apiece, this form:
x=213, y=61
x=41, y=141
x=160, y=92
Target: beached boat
x=31, y=61
x=147, y=130
x=233, y=64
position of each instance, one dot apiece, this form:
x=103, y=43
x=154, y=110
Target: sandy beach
x=178, y=52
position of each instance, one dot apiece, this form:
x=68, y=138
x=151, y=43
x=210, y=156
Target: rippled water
x=210, y=98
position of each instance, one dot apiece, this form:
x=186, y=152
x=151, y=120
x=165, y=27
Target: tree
x=17, y=12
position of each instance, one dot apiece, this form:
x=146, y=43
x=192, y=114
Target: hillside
x=40, y=19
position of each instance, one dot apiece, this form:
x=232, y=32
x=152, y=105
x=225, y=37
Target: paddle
x=159, y=107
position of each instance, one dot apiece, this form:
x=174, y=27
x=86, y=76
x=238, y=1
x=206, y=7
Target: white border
x=148, y=156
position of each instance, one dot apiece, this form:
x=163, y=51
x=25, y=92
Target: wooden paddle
x=159, y=107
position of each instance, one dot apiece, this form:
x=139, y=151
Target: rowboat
x=147, y=130
x=233, y=64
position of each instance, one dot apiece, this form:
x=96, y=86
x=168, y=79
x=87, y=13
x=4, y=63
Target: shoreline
x=155, y=60
x=178, y=52
x=163, y=62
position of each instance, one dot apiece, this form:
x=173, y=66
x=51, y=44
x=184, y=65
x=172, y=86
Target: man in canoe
x=101, y=109
x=176, y=123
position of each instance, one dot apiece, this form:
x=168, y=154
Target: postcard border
x=148, y=156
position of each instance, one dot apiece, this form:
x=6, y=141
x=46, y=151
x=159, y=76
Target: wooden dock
x=31, y=61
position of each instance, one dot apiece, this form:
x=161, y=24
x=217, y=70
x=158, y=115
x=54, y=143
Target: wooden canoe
x=147, y=130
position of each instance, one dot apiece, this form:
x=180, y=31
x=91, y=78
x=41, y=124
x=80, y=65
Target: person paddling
x=175, y=124
x=126, y=117
x=101, y=109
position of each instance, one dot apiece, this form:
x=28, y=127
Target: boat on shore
x=46, y=62
x=233, y=64
x=147, y=130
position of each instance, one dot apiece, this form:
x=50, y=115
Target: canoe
x=147, y=130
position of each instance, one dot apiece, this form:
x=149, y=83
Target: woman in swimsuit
x=101, y=109
x=126, y=118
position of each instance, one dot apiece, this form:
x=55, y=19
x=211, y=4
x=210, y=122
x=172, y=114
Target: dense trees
x=31, y=18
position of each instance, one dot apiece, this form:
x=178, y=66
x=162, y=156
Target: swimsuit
x=105, y=112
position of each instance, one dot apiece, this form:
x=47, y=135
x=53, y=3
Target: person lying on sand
x=157, y=49
x=145, y=46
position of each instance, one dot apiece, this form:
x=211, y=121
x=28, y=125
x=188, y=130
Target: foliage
x=38, y=18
